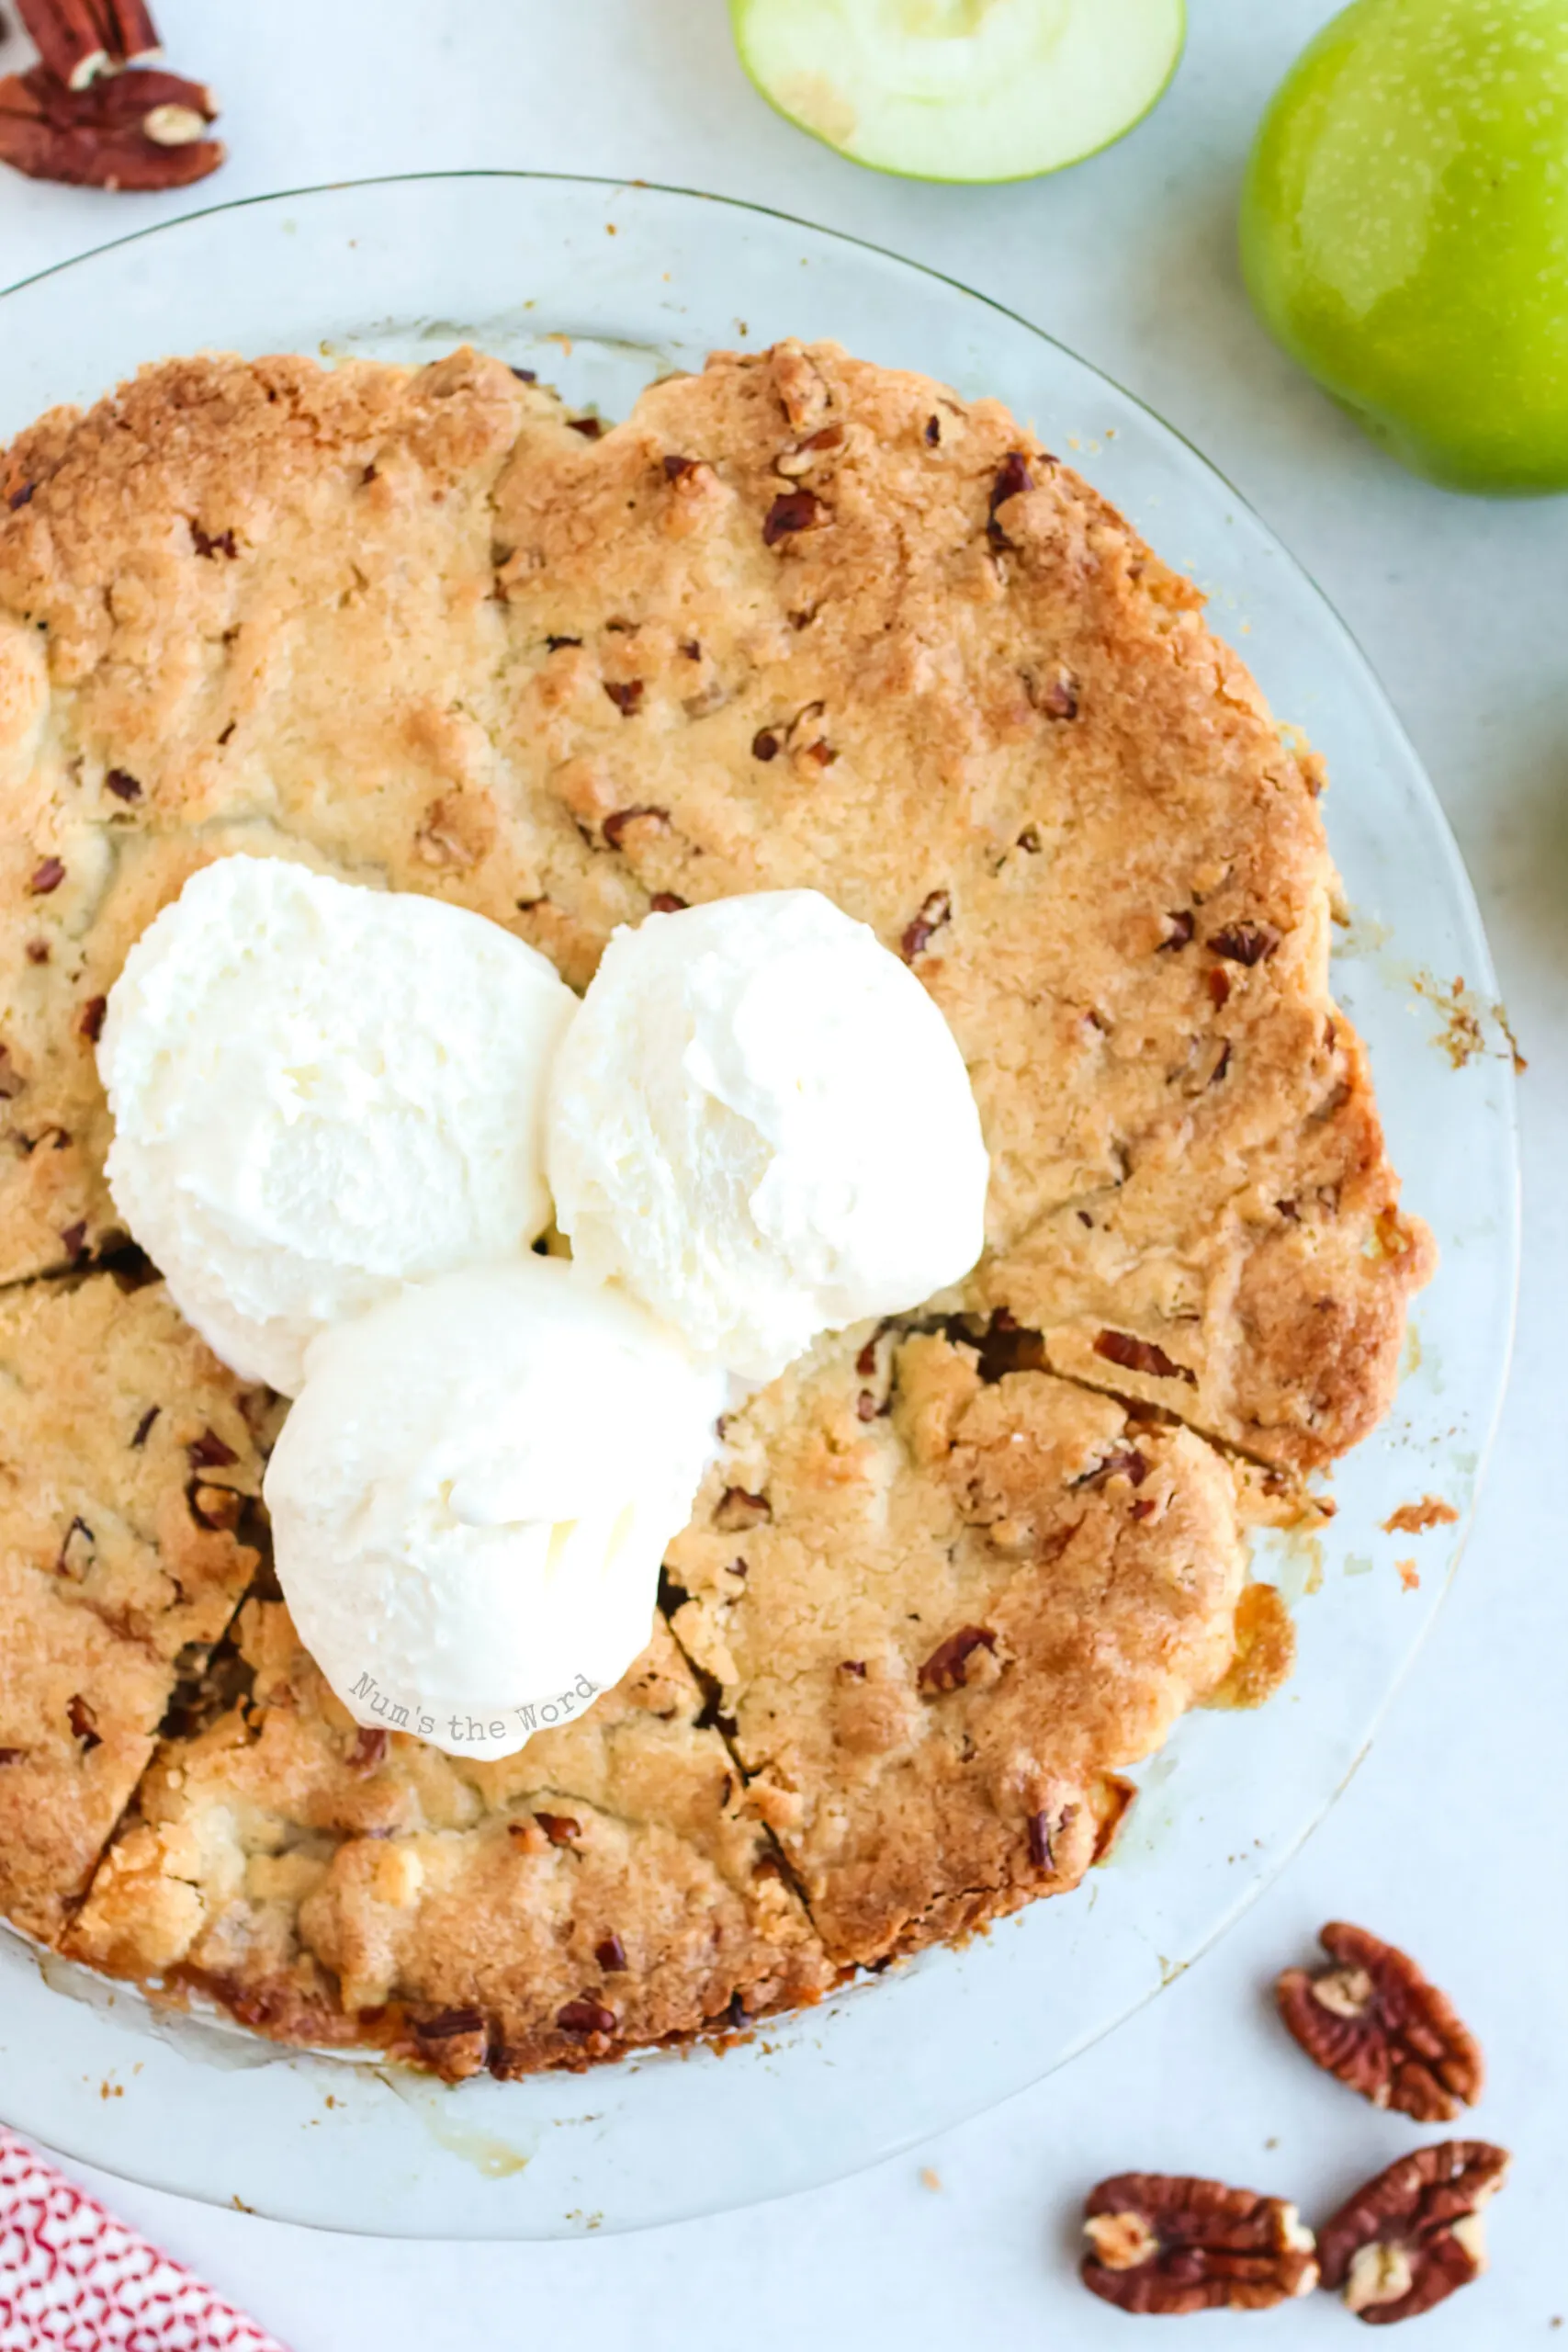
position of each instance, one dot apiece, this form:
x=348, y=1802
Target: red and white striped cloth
x=75, y=2280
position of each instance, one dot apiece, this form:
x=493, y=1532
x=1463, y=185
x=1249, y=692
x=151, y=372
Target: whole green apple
x=1405, y=231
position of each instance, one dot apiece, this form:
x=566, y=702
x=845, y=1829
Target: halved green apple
x=962, y=89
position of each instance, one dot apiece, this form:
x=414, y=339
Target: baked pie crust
x=797, y=621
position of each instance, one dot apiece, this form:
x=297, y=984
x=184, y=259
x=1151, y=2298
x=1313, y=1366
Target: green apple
x=1405, y=231
x=962, y=89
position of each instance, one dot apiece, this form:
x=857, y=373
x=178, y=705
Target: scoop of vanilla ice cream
x=761, y=1125
x=472, y=1494
x=319, y=1091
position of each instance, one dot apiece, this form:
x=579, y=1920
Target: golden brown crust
x=958, y=1609
x=797, y=621
x=116, y=1426
x=603, y=1889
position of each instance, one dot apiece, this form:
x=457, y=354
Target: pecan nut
x=1407, y=2239
x=1373, y=2021
x=78, y=40
x=140, y=129
x=1169, y=2245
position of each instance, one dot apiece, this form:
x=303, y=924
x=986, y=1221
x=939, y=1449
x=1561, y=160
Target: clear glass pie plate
x=524, y=266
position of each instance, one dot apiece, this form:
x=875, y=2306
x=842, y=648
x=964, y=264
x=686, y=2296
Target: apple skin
x=1405, y=232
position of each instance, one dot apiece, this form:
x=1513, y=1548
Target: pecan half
x=947, y=1669
x=1165, y=2245
x=1372, y=2021
x=1407, y=2239
x=141, y=130
x=72, y=40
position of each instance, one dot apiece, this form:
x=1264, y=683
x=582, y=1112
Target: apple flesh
x=1405, y=231
x=962, y=89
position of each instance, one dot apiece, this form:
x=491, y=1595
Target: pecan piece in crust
x=1169, y=2245
x=792, y=511
x=947, y=1669
x=1408, y=2238
x=1141, y=1355
x=1373, y=2020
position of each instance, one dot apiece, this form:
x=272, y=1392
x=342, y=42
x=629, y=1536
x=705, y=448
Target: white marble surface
x=1451, y=1840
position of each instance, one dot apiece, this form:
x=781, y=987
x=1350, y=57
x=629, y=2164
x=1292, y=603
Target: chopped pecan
x=90, y=1024
x=665, y=902
x=792, y=511
x=134, y=130
x=585, y=2018
x=793, y=463
x=947, y=1667
x=736, y=1510
x=1057, y=696
x=215, y=1508
x=122, y=785
x=1141, y=1355
x=73, y=1240
x=1373, y=2021
x=627, y=694
x=214, y=543
x=935, y=910
x=1183, y=926
x=590, y=427
x=1121, y=1462
x=674, y=467
x=83, y=1724
x=209, y=1452
x=366, y=1749
x=1013, y=479
x=611, y=1954
x=75, y=1553
x=615, y=824
x=1169, y=2245
x=448, y=2023
x=1408, y=2238
x=1043, y=1830
x=1245, y=943
x=561, y=1828
x=144, y=1425
x=933, y=432
x=46, y=876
